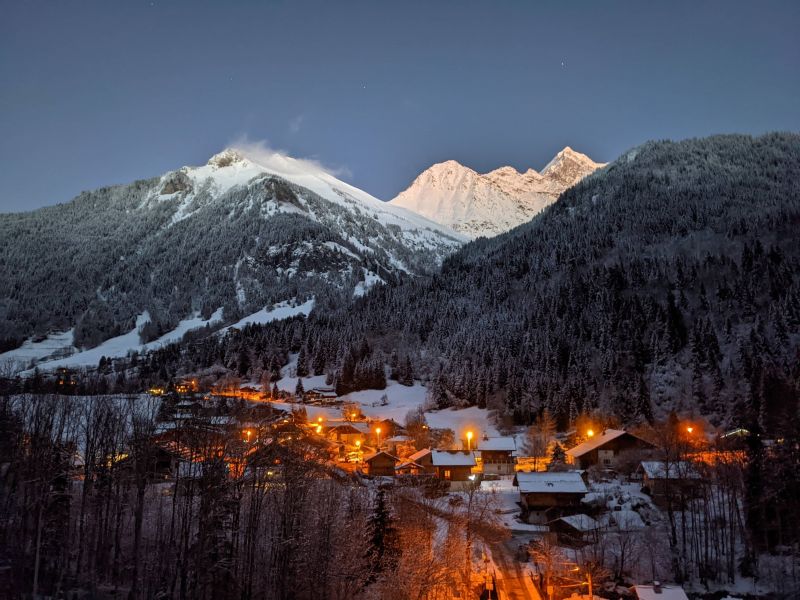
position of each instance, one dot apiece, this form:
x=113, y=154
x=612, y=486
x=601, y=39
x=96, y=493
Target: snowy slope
x=122, y=345
x=489, y=204
x=241, y=168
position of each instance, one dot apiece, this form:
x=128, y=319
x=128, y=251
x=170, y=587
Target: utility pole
x=591, y=589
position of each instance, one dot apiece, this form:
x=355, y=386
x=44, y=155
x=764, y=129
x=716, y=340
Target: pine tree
x=383, y=550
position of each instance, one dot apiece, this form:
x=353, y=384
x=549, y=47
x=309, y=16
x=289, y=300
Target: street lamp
x=469, y=440
x=590, y=433
x=690, y=429
x=378, y=432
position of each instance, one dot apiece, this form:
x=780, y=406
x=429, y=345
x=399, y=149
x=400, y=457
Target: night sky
x=97, y=93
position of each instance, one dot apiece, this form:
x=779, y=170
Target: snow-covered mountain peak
x=474, y=204
x=226, y=158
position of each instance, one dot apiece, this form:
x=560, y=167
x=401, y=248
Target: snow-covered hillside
x=243, y=232
x=486, y=205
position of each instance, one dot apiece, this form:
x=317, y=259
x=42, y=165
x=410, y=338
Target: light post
x=590, y=433
x=378, y=437
x=469, y=440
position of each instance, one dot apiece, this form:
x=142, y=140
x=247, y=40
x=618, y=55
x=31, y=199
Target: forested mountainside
x=670, y=280
x=232, y=234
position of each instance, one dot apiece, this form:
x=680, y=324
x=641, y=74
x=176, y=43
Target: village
x=583, y=513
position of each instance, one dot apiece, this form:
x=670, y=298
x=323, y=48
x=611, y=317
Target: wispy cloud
x=261, y=153
x=296, y=123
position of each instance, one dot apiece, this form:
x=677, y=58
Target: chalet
x=409, y=467
x=380, y=464
x=399, y=445
x=576, y=530
x=448, y=465
x=346, y=432
x=659, y=479
x=659, y=592
x=497, y=455
x=321, y=394
x=604, y=449
x=548, y=495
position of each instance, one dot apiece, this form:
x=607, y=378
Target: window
x=447, y=473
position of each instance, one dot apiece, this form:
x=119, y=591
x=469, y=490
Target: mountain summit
x=486, y=205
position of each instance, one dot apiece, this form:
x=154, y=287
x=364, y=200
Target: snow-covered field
x=282, y=310
x=118, y=346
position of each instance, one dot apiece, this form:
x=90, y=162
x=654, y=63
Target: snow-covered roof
x=595, y=442
x=581, y=522
x=502, y=444
x=360, y=427
x=657, y=469
x=369, y=457
x=444, y=458
x=419, y=454
x=626, y=520
x=668, y=592
x=567, y=482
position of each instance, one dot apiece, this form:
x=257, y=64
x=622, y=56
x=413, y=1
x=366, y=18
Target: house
x=380, y=464
x=448, y=465
x=347, y=432
x=660, y=479
x=576, y=530
x=659, y=592
x=604, y=449
x=497, y=455
x=322, y=394
x=548, y=495
x=409, y=467
x=399, y=445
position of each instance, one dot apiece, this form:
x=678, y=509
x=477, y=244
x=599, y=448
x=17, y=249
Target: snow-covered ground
x=282, y=310
x=401, y=400
x=54, y=345
x=128, y=342
x=362, y=287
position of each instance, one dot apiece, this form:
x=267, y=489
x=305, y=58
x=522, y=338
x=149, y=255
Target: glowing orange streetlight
x=690, y=429
x=319, y=419
x=469, y=440
x=319, y=428
x=378, y=432
x=353, y=416
x=590, y=433
x=248, y=433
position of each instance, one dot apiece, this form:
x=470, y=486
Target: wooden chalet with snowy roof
x=660, y=479
x=380, y=464
x=548, y=495
x=447, y=465
x=605, y=448
x=497, y=455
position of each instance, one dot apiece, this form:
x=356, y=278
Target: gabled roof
x=419, y=454
x=444, y=458
x=500, y=444
x=668, y=592
x=374, y=455
x=567, y=482
x=597, y=441
x=582, y=523
x=357, y=426
x=657, y=469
